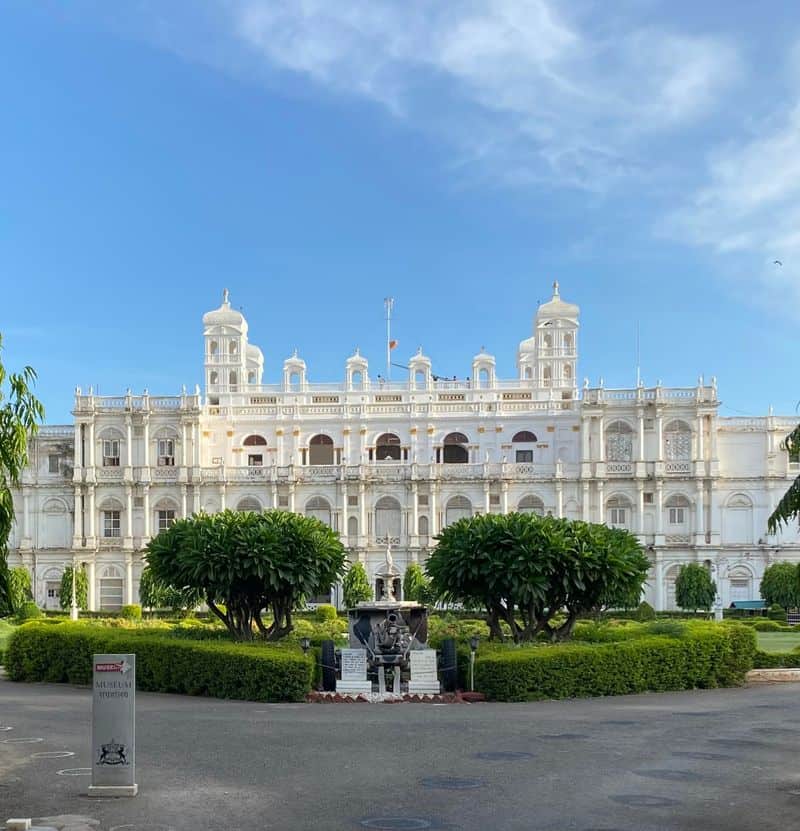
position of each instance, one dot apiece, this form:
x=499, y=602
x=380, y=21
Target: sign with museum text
x=113, y=726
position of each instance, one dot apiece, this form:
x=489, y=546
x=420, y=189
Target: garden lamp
x=305, y=644
x=473, y=648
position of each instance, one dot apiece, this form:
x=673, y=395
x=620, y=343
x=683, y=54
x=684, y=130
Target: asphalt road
x=720, y=760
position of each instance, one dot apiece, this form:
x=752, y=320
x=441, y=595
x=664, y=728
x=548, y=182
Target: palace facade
x=391, y=463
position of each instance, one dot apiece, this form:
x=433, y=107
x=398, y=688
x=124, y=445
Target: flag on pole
x=392, y=344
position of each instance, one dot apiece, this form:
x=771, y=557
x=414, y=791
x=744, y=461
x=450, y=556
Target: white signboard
x=113, y=723
x=354, y=664
x=424, y=678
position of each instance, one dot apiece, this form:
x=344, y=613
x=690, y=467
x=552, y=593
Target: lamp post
x=305, y=645
x=73, y=612
x=473, y=648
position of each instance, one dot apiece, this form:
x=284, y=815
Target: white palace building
x=394, y=462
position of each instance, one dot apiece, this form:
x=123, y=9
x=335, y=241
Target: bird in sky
x=777, y=262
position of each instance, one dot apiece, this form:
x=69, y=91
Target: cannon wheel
x=449, y=665
x=328, y=661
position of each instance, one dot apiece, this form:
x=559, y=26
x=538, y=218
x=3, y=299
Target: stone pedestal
x=424, y=678
x=354, y=672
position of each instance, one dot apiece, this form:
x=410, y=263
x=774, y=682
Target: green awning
x=748, y=604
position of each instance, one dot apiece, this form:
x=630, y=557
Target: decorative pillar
x=659, y=583
x=640, y=437
x=196, y=498
x=659, y=509
x=700, y=511
x=184, y=501
x=504, y=496
x=487, y=507
x=559, y=500
x=601, y=452
x=77, y=457
x=184, y=447
x=700, y=443
x=433, y=525
x=343, y=528
x=128, y=445
x=586, y=504
x=91, y=597
x=147, y=518
x=129, y=579
x=601, y=503
x=274, y=494
x=91, y=541
x=660, y=437
x=77, y=526
x=91, y=443
x=26, y=519
x=291, y=496
x=640, y=508
x=362, y=510
x=414, y=510
x=146, y=442
x=128, y=541
x=222, y=497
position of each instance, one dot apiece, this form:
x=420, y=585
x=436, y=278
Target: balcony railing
x=677, y=468
x=619, y=468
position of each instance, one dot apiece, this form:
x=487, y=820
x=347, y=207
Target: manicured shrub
x=708, y=656
x=325, y=612
x=28, y=611
x=764, y=625
x=776, y=660
x=645, y=612
x=133, y=611
x=62, y=653
x=777, y=612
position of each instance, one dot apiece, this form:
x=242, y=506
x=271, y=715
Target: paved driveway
x=721, y=760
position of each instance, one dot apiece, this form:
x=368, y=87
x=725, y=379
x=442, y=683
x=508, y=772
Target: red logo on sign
x=108, y=667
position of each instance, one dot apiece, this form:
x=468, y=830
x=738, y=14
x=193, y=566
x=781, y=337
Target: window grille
x=52, y=464
x=112, y=526
x=111, y=453
x=165, y=519
x=166, y=452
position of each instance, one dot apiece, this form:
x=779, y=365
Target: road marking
x=74, y=772
x=21, y=741
x=52, y=754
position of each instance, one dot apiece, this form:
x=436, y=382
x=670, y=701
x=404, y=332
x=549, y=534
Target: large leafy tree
x=19, y=581
x=20, y=415
x=780, y=584
x=355, y=585
x=694, y=588
x=789, y=506
x=525, y=570
x=244, y=563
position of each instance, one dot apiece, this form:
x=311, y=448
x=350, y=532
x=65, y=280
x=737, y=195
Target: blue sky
x=314, y=157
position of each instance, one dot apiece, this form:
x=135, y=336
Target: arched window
x=483, y=378
x=677, y=508
x=419, y=379
x=525, y=437
x=111, y=589
x=528, y=373
x=233, y=347
x=254, y=440
x=567, y=372
x=459, y=507
x=233, y=380
x=569, y=341
x=669, y=588
x=213, y=348
x=531, y=505
x=111, y=515
x=352, y=526
x=320, y=509
x=618, y=512
x=320, y=450
x=55, y=530
x=737, y=520
x=524, y=454
x=357, y=379
x=547, y=376
x=249, y=503
x=423, y=526
x=740, y=581
x=619, y=442
x=387, y=446
x=388, y=517
x=294, y=380
x=548, y=341
x=455, y=450
x=251, y=377
x=677, y=441
x=213, y=378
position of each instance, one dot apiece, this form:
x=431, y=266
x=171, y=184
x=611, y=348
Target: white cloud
x=748, y=210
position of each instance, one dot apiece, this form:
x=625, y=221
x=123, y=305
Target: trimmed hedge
x=62, y=653
x=708, y=655
x=776, y=660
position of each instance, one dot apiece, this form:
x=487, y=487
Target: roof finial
x=555, y=288
x=226, y=297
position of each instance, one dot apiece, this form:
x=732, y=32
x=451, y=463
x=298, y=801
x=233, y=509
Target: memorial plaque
x=424, y=677
x=113, y=722
x=354, y=672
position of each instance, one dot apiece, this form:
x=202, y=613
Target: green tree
x=155, y=595
x=416, y=585
x=20, y=414
x=789, y=506
x=81, y=589
x=244, y=563
x=524, y=570
x=694, y=588
x=19, y=581
x=355, y=586
x=781, y=585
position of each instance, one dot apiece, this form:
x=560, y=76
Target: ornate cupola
x=548, y=359
x=294, y=373
x=419, y=371
x=357, y=371
x=483, y=369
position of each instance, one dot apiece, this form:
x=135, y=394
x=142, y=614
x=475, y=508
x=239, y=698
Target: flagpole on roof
x=388, y=303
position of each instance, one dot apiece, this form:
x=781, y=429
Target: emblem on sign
x=112, y=753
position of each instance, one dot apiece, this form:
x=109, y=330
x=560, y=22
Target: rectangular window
x=648, y=497
x=111, y=453
x=255, y=460
x=52, y=464
x=111, y=524
x=494, y=498
x=617, y=516
x=165, y=519
x=524, y=455
x=352, y=501
x=166, y=452
x=677, y=516
x=283, y=501
x=422, y=499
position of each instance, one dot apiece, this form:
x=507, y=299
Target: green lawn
x=778, y=641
